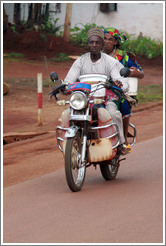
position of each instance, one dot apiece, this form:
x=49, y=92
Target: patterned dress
x=127, y=59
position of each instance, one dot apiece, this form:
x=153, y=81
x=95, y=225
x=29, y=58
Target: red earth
x=34, y=45
x=20, y=105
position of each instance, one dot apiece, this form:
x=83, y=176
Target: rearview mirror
x=125, y=72
x=54, y=76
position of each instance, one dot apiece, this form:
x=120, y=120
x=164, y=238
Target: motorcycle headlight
x=78, y=100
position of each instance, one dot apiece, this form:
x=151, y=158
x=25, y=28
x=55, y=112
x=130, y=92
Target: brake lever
x=53, y=94
x=57, y=90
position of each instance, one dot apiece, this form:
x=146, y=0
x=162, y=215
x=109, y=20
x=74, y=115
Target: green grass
x=18, y=55
x=47, y=83
x=14, y=57
x=61, y=57
x=150, y=93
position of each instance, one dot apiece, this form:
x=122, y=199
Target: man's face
x=109, y=42
x=95, y=44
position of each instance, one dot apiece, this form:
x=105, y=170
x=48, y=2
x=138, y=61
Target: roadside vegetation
x=142, y=46
x=150, y=93
x=61, y=57
x=138, y=45
x=12, y=57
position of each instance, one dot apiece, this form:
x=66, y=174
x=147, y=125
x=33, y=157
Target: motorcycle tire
x=109, y=169
x=75, y=173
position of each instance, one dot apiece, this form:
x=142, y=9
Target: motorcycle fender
x=71, y=132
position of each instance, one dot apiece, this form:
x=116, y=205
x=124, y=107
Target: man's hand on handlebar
x=118, y=84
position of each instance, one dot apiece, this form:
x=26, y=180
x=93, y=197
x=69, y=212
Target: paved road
x=126, y=210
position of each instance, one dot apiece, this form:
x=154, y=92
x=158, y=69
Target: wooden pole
x=40, y=106
x=66, y=35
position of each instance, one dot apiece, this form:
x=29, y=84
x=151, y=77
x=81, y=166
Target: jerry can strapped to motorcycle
x=103, y=139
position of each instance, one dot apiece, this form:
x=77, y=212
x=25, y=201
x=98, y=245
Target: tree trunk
x=17, y=13
x=45, y=15
x=66, y=35
x=34, y=15
x=5, y=21
x=30, y=12
x=38, y=8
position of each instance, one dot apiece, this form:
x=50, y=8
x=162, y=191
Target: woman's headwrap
x=114, y=32
x=95, y=31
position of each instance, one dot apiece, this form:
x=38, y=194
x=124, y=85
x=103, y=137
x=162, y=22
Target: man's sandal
x=125, y=149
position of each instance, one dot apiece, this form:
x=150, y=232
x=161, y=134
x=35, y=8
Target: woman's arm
x=136, y=72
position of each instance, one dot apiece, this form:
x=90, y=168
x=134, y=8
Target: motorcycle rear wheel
x=74, y=170
x=109, y=169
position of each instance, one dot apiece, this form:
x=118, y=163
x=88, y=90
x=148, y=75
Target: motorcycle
x=86, y=133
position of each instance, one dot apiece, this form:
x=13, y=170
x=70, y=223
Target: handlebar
x=60, y=88
x=63, y=88
x=110, y=86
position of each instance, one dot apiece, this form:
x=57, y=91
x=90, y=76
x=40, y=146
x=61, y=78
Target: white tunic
x=106, y=65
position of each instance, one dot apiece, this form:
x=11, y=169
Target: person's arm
x=73, y=73
x=135, y=69
x=136, y=72
x=115, y=75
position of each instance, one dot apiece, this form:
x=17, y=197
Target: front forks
x=84, y=143
x=83, y=153
x=71, y=132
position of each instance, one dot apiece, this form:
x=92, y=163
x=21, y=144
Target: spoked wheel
x=109, y=169
x=74, y=170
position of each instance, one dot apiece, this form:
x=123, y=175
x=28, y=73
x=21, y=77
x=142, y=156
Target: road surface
x=126, y=210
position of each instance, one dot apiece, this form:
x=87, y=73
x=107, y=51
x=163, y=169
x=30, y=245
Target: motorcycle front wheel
x=109, y=169
x=74, y=170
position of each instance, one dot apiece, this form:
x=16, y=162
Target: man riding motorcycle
x=96, y=61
